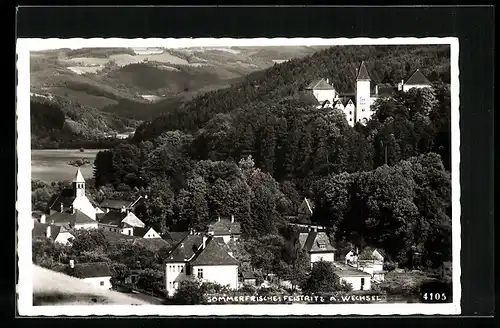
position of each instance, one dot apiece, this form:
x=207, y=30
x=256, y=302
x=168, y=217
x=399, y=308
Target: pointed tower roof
x=78, y=177
x=417, y=78
x=362, y=72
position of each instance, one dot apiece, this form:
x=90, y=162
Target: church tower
x=362, y=94
x=79, y=185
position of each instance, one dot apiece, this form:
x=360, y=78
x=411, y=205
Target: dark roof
x=247, y=275
x=100, y=215
x=315, y=240
x=225, y=227
x=40, y=230
x=113, y=218
x=175, y=236
x=72, y=219
x=214, y=254
x=385, y=91
x=367, y=252
x=308, y=99
x=320, y=84
x=90, y=270
x=153, y=244
x=115, y=204
x=363, y=72
x=140, y=232
x=417, y=78
x=185, y=249
x=66, y=196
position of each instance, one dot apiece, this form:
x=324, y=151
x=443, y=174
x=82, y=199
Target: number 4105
x=434, y=296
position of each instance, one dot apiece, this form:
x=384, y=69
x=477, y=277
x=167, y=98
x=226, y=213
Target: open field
x=50, y=165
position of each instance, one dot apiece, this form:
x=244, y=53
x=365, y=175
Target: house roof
x=385, y=91
x=115, y=237
x=62, y=218
x=185, y=249
x=140, y=232
x=247, y=275
x=78, y=176
x=113, y=218
x=175, y=237
x=320, y=84
x=309, y=205
x=66, y=197
x=315, y=240
x=367, y=252
x=153, y=244
x=308, y=99
x=348, y=272
x=40, y=230
x=90, y=270
x=214, y=254
x=115, y=204
x=224, y=227
x=417, y=78
x=363, y=72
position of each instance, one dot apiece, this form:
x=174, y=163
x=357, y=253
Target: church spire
x=79, y=177
x=363, y=73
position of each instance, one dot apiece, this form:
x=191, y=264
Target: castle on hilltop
x=357, y=106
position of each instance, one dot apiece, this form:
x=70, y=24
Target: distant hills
x=140, y=84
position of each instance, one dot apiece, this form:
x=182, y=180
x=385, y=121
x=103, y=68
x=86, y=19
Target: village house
x=74, y=220
x=75, y=198
x=358, y=279
x=123, y=222
x=357, y=105
x=58, y=234
x=248, y=278
x=317, y=245
x=369, y=260
x=120, y=205
x=146, y=232
x=200, y=257
x=226, y=229
x=97, y=274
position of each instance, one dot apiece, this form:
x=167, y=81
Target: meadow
x=50, y=165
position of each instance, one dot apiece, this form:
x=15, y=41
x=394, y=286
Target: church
x=357, y=106
x=75, y=199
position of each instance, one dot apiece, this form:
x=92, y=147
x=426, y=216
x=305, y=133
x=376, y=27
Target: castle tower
x=362, y=94
x=79, y=185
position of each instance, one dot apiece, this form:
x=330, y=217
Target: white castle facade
x=357, y=106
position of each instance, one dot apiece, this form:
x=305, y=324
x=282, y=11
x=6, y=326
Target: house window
x=129, y=233
x=188, y=270
x=200, y=273
x=350, y=119
x=179, y=268
x=182, y=269
x=350, y=113
x=102, y=283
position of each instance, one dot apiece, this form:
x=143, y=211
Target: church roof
x=79, y=176
x=320, y=84
x=363, y=72
x=40, y=230
x=417, y=78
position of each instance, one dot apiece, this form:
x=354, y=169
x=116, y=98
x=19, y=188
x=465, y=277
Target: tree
x=189, y=292
x=88, y=241
x=323, y=279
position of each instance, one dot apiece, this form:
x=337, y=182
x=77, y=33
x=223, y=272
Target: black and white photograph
x=186, y=177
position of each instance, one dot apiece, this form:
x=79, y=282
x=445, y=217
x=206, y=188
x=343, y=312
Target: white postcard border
x=23, y=203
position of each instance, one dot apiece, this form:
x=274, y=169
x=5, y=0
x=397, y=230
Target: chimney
x=204, y=242
x=145, y=196
x=218, y=218
x=327, y=80
x=315, y=229
x=72, y=264
x=232, y=218
x=182, y=245
x=230, y=254
x=62, y=207
x=123, y=210
x=48, y=232
x=43, y=218
x=376, y=90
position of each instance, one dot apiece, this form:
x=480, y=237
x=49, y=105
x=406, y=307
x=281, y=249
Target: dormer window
x=322, y=245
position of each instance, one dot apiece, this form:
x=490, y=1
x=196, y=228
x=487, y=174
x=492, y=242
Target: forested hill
x=386, y=64
x=59, y=123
